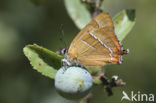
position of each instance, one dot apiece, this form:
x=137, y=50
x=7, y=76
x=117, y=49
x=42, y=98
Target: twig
x=94, y=6
x=87, y=98
x=108, y=83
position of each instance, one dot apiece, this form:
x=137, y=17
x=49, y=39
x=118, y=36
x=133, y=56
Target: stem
x=94, y=6
x=87, y=98
x=101, y=79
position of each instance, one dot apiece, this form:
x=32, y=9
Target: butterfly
x=96, y=44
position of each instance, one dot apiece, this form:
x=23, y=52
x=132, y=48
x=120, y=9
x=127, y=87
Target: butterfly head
x=62, y=51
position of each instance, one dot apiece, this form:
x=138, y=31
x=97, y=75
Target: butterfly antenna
x=62, y=38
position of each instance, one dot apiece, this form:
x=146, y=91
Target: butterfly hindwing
x=103, y=50
x=96, y=44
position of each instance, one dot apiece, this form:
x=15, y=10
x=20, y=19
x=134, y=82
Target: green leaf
x=124, y=22
x=78, y=12
x=43, y=60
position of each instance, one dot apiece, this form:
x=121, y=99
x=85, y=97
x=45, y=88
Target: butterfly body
x=96, y=44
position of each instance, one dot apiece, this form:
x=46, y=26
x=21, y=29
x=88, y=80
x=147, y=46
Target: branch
x=87, y=98
x=108, y=83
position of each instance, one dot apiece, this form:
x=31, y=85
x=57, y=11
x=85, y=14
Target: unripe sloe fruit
x=73, y=82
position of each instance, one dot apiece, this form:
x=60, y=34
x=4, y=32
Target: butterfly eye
x=64, y=50
x=61, y=51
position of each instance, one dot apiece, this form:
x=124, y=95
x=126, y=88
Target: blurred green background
x=22, y=23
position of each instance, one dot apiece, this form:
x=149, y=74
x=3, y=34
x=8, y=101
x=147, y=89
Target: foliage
x=124, y=22
x=43, y=60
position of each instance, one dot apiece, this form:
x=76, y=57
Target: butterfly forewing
x=104, y=20
x=96, y=44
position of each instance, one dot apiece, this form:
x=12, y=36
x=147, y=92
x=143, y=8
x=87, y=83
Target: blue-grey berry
x=73, y=82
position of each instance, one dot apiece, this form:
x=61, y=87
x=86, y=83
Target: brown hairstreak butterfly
x=96, y=44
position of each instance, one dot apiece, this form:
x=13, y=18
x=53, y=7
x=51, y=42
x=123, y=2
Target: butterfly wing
x=96, y=44
x=106, y=50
